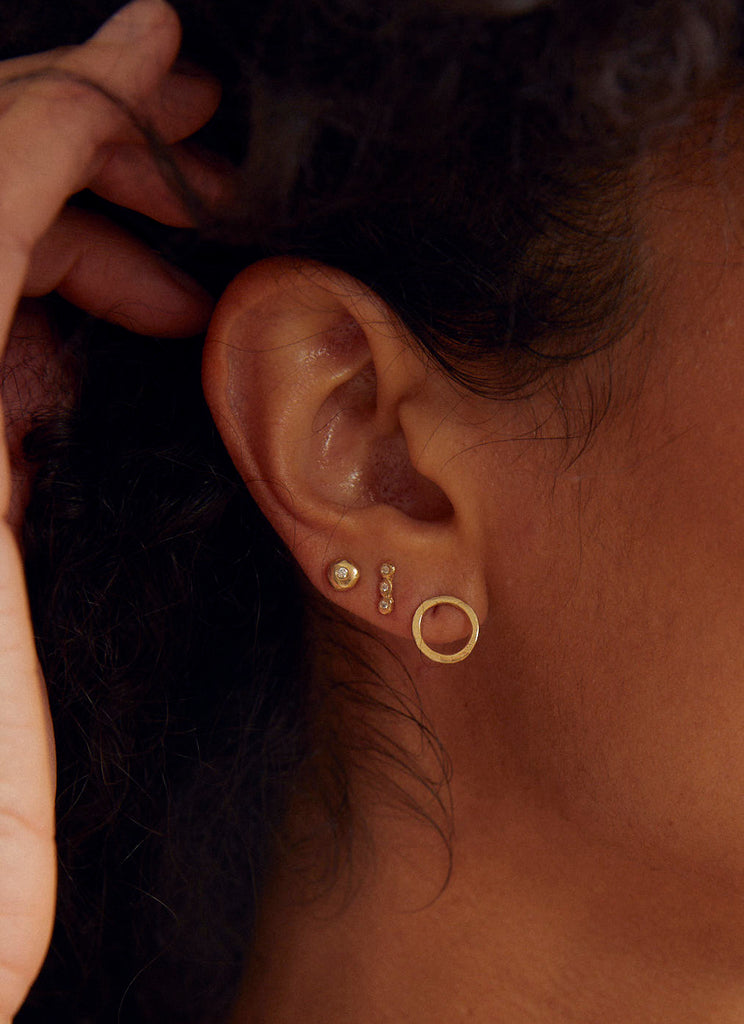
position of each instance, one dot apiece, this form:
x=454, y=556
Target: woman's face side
x=617, y=579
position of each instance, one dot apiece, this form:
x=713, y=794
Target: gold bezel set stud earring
x=343, y=574
x=387, y=601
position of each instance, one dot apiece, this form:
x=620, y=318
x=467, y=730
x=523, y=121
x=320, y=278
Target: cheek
x=621, y=682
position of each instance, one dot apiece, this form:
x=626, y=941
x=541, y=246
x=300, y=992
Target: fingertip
x=184, y=282
x=140, y=20
x=187, y=101
x=178, y=308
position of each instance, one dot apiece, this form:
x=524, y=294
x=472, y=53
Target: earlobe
x=330, y=415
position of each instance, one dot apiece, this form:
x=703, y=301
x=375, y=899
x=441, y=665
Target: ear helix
x=344, y=574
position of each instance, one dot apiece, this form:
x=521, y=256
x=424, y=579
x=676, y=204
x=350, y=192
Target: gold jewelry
x=387, y=571
x=445, y=659
x=343, y=575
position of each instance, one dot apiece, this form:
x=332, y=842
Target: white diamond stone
x=384, y=606
x=386, y=569
x=341, y=573
x=385, y=587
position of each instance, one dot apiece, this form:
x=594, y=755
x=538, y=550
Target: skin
x=598, y=772
x=595, y=732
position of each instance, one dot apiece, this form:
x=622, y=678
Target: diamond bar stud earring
x=387, y=571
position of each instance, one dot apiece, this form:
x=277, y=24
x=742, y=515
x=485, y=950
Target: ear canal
x=384, y=474
x=394, y=481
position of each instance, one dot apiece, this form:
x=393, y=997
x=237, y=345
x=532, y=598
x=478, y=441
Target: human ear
x=344, y=433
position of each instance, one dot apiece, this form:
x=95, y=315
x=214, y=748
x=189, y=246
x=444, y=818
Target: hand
x=58, y=135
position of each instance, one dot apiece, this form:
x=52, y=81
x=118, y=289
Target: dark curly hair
x=470, y=161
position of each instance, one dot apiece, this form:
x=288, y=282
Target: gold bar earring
x=387, y=571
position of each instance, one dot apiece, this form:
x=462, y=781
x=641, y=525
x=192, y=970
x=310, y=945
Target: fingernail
x=131, y=21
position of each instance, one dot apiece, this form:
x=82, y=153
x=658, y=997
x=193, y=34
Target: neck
x=537, y=923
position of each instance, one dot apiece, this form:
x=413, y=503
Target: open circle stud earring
x=343, y=574
x=445, y=659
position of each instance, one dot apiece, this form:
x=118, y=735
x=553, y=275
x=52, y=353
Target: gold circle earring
x=343, y=574
x=445, y=659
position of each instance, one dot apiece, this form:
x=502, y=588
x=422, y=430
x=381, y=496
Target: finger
x=183, y=103
x=80, y=102
x=133, y=178
x=27, y=784
x=27, y=853
x=105, y=271
x=54, y=127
